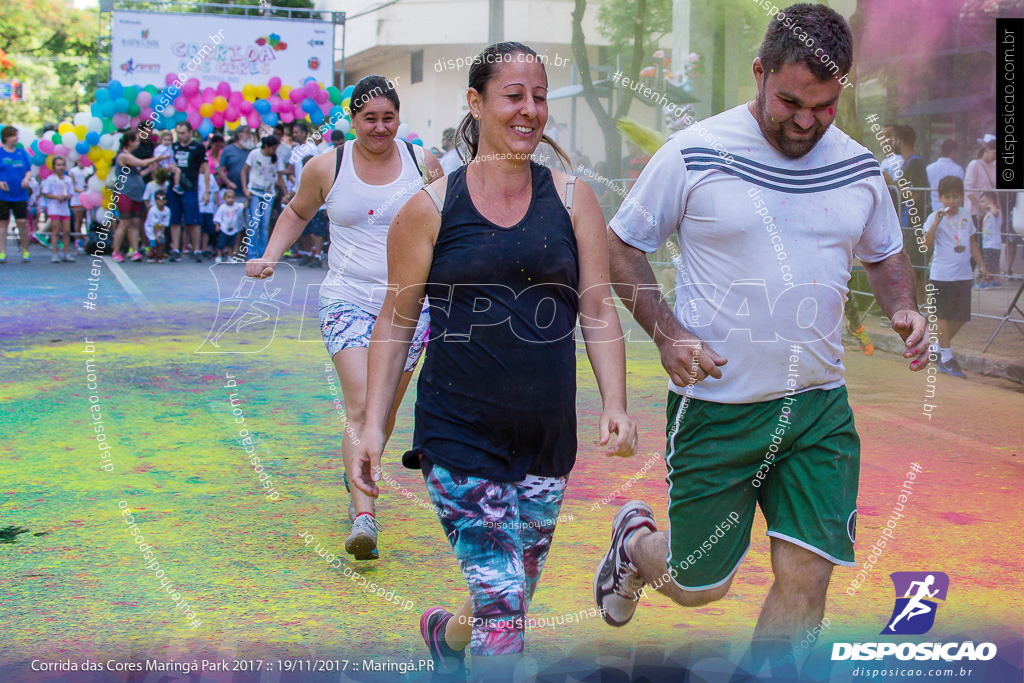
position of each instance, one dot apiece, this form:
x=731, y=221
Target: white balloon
x=403, y=130
x=81, y=118
x=95, y=184
x=69, y=139
x=48, y=135
x=342, y=125
x=72, y=156
x=94, y=125
x=106, y=141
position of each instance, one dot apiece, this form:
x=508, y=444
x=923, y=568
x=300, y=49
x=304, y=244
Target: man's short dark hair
x=8, y=132
x=821, y=30
x=949, y=148
x=337, y=137
x=301, y=125
x=905, y=133
x=159, y=194
x=951, y=185
x=183, y=123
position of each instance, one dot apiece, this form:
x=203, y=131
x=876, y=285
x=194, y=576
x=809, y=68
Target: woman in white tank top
x=362, y=183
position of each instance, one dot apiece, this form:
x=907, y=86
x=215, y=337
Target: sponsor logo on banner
x=313, y=63
x=914, y=613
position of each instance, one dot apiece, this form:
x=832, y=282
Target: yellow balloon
x=233, y=124
x=220, y=103
x=49, y=162
x=64, y=127
x=263, y=91
x=345, y=102
x=283, y=92
x=81, y=132
x=110, y=154
x=94, y=154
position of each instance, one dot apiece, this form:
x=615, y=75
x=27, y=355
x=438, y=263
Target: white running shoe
x=617, y=583
x=362, y=542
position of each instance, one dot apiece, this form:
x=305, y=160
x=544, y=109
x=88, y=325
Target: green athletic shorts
x=797, y=456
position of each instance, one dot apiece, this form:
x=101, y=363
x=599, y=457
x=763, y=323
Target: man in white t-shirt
x=770, y=204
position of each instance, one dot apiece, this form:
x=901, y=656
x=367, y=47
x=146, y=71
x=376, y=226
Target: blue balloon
x=270, y=119
x=417, y=141
x=121, y=105
x=337, y=112
x=102, y=95
x=347, y=92
x=108, y=110
x=206, y=127
x=114, y=88
x=93, y=138
x=96, y=109
x=180, y=116
x=308, y=79
x=309, y=105
x=317, y=117
x=39, y=159
x=82, y=147
x=262, y=106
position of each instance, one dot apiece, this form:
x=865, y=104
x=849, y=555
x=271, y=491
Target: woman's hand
x=618, y=433
x=259, y=268
x=366, y=461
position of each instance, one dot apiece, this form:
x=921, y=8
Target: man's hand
x=616, y=421
x=913, y=328
x=689, y=360
x=366, y=461
x=3, y=186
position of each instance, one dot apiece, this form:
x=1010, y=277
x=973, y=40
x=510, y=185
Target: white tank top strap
x=434, y=198
x=570, y=185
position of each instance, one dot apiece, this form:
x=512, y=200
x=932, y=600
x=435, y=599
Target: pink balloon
x=85, y=161
x=180, y=103
x=223, y=89
x=285, y=107
x=46, y=146
x=236, y=98
x=275, y=103
x=170, y=78
x=217, y=119
x=195, y=100
x=287, y=117
x=44, y=172
x=62, y=151
x=85, y=200
x=253, y=119
x=144, y=99
x=231, y=113
x=322, y=96
x=325, y=107
x=194, y=119
x=274, y=84
x=312, y=88
x=209, y=94
x=145, y=113
x=297, y=95
x=190, y=88
x=245, y=108
x=133, y=121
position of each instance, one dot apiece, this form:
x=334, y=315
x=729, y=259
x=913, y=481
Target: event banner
x=238, y=50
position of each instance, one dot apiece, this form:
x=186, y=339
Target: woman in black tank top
x=510, y=258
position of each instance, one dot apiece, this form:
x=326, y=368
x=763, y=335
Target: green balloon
x=130, y=93
x=152, y=90
x=134, y=109
x=350, y=136
x=335, y=95
x=108, y=126
x=56, y=138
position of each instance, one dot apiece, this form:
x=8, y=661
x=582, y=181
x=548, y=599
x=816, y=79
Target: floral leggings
x=500, y=534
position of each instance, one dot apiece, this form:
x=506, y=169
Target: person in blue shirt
x=15, y=168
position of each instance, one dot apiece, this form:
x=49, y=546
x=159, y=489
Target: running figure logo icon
x=914, y=613
x=247, y=318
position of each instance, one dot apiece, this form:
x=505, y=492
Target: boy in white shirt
x=948, y=234
x=157, y=184
x=991, y=238
x=158, y=218
x=227, y=220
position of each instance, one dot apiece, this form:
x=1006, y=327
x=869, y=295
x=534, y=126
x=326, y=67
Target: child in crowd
x=991, y=238
x=33, y=202
x=158, y=183
x=209, y=198
x=79, y=178
x=157, y=219
x=228, y=219
x=164, y=149
x=58, y=189
x=948, y=235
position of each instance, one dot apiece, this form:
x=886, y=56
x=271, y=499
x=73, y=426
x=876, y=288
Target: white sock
x=945, y=355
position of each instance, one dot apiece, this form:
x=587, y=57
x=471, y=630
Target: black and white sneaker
x=617, y=582
x=951, y=367
x=175, y=256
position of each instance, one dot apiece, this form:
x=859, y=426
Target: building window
x=416, y=67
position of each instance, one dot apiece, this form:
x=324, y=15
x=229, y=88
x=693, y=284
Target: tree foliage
x=258, y=8
x=617, y=22
x=52, y=47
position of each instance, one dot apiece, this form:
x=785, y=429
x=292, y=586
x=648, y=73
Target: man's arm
x=892, y=282
x=685, y=357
